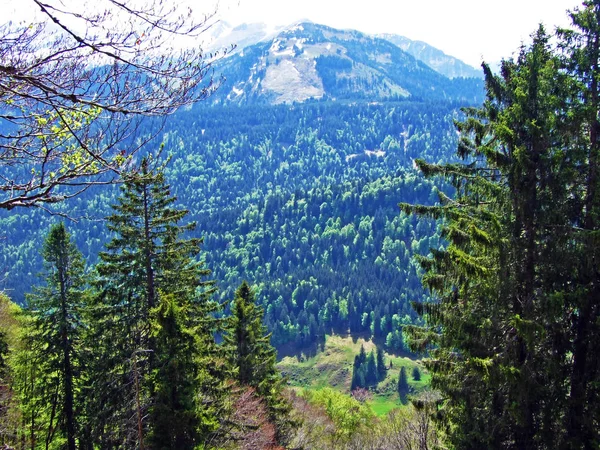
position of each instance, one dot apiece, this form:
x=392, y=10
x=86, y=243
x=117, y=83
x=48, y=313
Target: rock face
x=309, y=61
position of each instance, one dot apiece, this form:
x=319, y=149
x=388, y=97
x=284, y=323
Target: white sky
x=471, y=30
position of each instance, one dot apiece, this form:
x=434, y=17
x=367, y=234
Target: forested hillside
x=337, y=204
x=301, y=200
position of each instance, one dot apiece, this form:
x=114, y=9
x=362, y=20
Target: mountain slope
x=235, y=39
x=310, y=61
x=299, y=200
x=436, y=59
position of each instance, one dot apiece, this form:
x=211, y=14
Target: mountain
x=309, y=62
x=236, y=39
x=436, y=59
x=223, y=36
x=299, y=199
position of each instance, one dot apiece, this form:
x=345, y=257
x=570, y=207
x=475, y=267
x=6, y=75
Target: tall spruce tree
x=371, y=375
x=253, y=358
x=581, y=50
x=358, y=373
x=381, y=369
x=403, y=388
x=504, y=277
x=54, y=332
x=174, y=423
x=156, y=381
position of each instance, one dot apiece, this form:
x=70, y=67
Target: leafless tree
x=252, y=429
x=412, y=427
x=362, y=394
x=76, y=82
x=315, y=428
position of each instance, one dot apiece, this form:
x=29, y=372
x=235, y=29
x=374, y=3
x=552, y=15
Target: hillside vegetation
x=301, y=201
x=373, y=213
x=332, y=366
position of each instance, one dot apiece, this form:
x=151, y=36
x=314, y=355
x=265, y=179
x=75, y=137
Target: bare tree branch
x=75, y=86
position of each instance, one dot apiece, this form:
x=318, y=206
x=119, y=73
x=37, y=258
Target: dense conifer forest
x=148, y=292
x=302, y=201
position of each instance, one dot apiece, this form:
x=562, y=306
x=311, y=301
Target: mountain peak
x=306, y=61
x=224, y=36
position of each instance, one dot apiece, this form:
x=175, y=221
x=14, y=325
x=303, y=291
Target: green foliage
x=173, y=414
x=251, y=353
x=253, y=358
x=303, y=200
x=371, y=376
x=403, y=388
x=10, y=412
x=159, y=372
x=347, y=414
x=409, y=427
x=506, y=337
x=368, y=371
x=416, y=374
x=54, y=342
x=381, y=369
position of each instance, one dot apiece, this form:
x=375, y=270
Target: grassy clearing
x=381, y=405
x=333, y=367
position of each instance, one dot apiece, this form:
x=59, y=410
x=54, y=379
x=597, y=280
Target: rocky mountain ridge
x=314, y=62
x=236, y=39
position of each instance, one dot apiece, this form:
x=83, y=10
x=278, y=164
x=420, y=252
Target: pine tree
x=362, y=355
x=358, y=372
x=356, y=381
x=582, y=59
x=416, y=374
x=371, y=375
x=403, y=388
x=173, y=417
x=55, y=312
x=253, y=358
x=505, y=276
x=158, y=381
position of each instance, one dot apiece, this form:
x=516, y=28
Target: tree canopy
x=510, y=338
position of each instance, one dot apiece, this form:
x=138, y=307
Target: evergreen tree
x=505, y=276
x=371, y=375
x=403, y=388
x=416, y=374
x=252, y=356
x=173, y=415
x=582, y=59
x=356, y=381
x=55, y=312
x=362, y=355
x=157, y=381
x=358, y=373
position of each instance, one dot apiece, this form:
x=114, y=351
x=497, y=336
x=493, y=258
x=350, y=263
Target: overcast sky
x=468, y=29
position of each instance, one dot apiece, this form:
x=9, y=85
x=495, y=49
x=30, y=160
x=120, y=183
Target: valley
x=297, y=195
x=292, y=172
